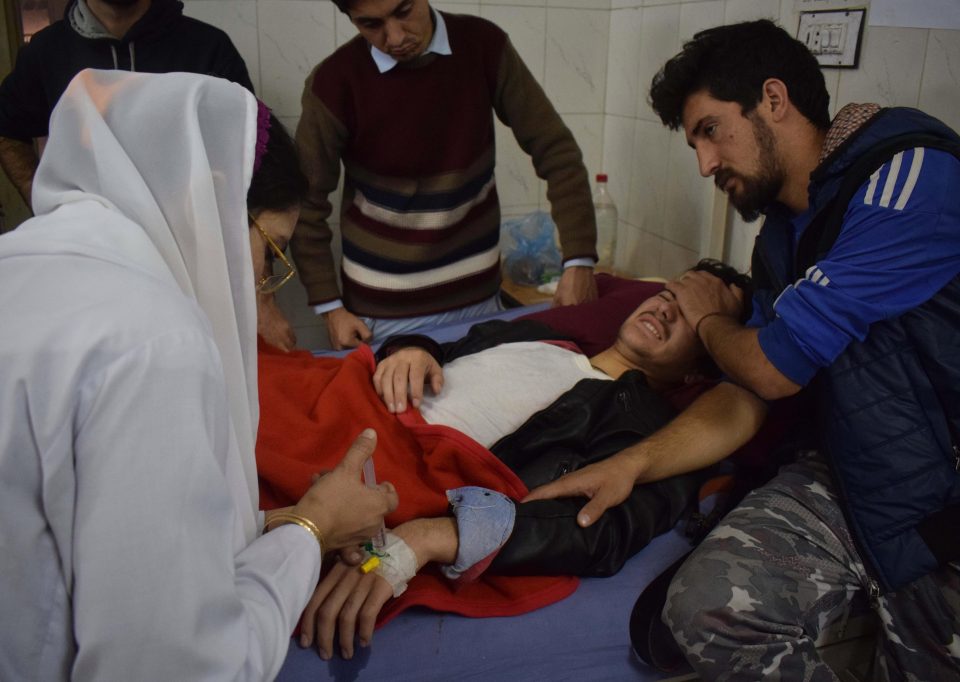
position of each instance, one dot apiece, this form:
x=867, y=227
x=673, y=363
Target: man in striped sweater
x=407, y=107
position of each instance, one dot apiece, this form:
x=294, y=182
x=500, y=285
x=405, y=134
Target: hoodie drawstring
x=130, y=51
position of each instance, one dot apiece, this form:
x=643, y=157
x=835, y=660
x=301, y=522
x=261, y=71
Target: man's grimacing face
x=738, y=150
x=399, y=28
x=658, y=339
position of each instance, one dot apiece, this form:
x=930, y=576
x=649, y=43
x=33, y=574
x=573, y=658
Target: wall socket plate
x=833, y=36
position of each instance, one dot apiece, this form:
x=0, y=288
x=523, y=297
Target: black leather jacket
x=588, y=423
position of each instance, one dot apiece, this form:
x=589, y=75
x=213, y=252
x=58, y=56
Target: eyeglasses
x=270, y=283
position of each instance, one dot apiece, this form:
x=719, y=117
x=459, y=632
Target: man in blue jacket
x=857, y=269
x=150, y=36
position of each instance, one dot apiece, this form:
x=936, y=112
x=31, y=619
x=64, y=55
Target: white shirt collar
x=439, y=44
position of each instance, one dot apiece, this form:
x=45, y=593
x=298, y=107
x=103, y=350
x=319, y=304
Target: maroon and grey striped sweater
x=420, y=217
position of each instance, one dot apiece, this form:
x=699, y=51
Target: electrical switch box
x=833, y=36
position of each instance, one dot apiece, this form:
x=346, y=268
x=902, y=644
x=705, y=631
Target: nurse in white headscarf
x=131, y=547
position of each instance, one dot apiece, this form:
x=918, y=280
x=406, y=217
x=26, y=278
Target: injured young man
x=466, y=429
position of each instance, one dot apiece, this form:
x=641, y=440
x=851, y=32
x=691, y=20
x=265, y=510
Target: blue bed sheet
x=582, y=638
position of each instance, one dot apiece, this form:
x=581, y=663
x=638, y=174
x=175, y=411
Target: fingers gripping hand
x=699, y=293
x=347, y=602
x=604, y=483
x=407, y=371
x=345, y=329
x=347, y=511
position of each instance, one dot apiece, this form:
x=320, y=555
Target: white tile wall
x=675, y=259
x=459, y=7
x=239, y=19
x=527, y=28
x=940, y=85
x=689, y=197
x=697, y=16
x=648, y=178
x=295, y=35
x=659, y=40
x=595, y=59
x=576, y=59
x=623, y=55
x=749, y=10
x=517, y=184
x=587, y=129
x=891, y=64
x=618, y=156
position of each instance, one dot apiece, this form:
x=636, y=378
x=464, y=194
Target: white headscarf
x=174, y=154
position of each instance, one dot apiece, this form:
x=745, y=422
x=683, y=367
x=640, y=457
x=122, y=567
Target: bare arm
x=714, y=426
x=736, y=350
x=713, y=308
x=19, y=161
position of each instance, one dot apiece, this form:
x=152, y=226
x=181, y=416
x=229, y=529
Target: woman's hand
x=346, y=511
x=408, y=369
x=272, y=325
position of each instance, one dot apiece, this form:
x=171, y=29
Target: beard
x=760, y=189
x=120, y=3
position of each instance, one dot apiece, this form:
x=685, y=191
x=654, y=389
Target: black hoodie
x=162, y=40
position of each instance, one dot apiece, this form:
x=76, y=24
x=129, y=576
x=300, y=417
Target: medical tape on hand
x=398, y=563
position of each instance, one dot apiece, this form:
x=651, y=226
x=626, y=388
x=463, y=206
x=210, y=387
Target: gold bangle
x=302, y=521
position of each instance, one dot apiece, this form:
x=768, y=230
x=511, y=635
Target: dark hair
x=279, y=184
x=343, y=6
x=730, y=275
x=706, y=364
x=731, y=64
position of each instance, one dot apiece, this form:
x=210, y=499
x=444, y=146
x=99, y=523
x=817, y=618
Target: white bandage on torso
x=398, y=563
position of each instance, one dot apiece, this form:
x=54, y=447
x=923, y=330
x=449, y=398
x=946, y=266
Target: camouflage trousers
x=752, y=599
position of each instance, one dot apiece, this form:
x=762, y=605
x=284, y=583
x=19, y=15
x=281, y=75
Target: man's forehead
x=696, y=107
x=662, y=295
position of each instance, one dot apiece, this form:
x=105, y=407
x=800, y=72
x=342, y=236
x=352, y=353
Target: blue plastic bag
x=530, y=254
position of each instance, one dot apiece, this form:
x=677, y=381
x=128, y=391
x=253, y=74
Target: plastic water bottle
x=606, y=212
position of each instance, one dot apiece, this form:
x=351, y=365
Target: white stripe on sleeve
x=911, y=179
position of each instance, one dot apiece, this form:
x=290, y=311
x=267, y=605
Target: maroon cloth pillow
x=594, y=325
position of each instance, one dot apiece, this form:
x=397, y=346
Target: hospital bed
x=582, y=637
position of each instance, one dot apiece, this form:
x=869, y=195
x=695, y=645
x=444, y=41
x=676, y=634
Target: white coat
x=129, y=533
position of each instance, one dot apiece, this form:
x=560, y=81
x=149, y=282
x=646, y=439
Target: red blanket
x=311, y=410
